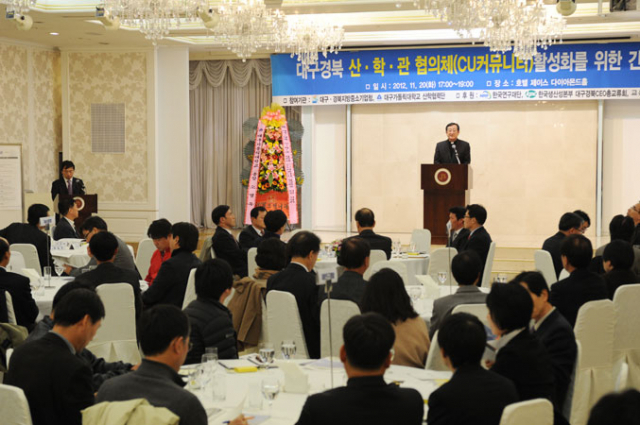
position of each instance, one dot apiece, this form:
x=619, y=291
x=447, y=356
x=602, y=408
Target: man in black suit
x=31, y=233
x=354, y=257
x=452, y=150
x=55, y=380
x=171, y=282
x=582, y=286
x=103, y=247
x=67, y=184
x=553, y=330
x=66, y=228
x=634, y=213
x=251, y=235
x=275, y=222
x=24, y=306
x=459, y=234
x=365, y=222
x=473, y=395
x=224, y=245
x=299, y=279
x=569, y=224
x=618, y=258
x=479, y=239
x=367, y=398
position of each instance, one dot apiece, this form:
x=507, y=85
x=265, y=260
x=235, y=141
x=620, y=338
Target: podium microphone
x=456, y=151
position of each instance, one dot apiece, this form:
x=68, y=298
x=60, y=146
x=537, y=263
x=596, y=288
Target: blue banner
x=563, y=71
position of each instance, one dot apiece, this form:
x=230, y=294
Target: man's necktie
x=69, y=188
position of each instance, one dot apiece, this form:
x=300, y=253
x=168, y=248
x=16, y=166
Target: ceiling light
x=54, y=33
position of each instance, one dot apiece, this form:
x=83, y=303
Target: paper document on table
x=232, y=364
x=431, y=375
x=324, y=364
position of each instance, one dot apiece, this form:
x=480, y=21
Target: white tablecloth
x=424, y=306
x=415, y=266
x=73, y=257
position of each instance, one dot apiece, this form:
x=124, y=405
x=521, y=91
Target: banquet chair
x=11, y=314
x=544, y=264
x=440, y=261
x=488, y=266
x=16, y=262
x=626, y=343
x=251, y=261
x=30, y=255
x=478, y=310
x=14, y=406
x=116, y=338
x=422, y=239
x=213, y=254
x=563, y=274
x=146, y=248
x=284, y=323
x=434, y=358
x=376, y=255
x=230, y=297
x=341, y=312
x=394, y=265
x=538, y=411
x=190, y=291
x=135, y=411
x=132, y=251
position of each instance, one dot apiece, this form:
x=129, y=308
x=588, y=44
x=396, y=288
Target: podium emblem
x=79, y=203
x=442, y=176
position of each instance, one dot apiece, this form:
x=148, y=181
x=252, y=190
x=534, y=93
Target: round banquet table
x=74, y=257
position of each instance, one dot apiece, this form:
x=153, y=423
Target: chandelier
x=307, y=38
x=18, y=6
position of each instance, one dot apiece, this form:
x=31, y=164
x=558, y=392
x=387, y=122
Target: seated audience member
x=479, y=239
x=553, y=330
x=465, y=268
x=570, y=224
x=634, y=213
x=458, y=234
x=473, y=395
x=163, y=334
x=104, y=247
x=620, y=228
x=299, y=279
x=159, y=232
x=211, y=324
x=171, y=282
x=582, y=286
x=100, y=369
x=251, y=235
x=56, y=381
x=385, y=294
x=365, y=222
x=275, y=222
x=66, y=228
x=24, y=306
x=224, y=245
x=586, y=221
x=271, y=258
x=354, y=257
x=366, y=399
x=31, y=233
x=124, y=259
x=617, y=408
x=617, y=260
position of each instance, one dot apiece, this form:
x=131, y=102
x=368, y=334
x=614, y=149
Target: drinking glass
x=219, y=387
x=270, y=389
x=267, y=354
x=46, y=270
x=397, y=248
x=210, y=363
x=288, y=349
x=415, y=292
x=501, y=278
x=59, y=267
x=412, y=248
x=442, y=277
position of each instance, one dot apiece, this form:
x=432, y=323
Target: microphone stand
x=328, y=289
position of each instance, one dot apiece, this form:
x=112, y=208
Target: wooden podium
x=87, y=205
x=445, y=186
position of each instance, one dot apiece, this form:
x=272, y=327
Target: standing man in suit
x=479, y=239
x=67, y=184
x=367, y=398
x=570, y=224
x=223, y=242
x=251, y=235
x=24, y=306
x=458, y=233
x=66, y=228
x=452, y=150
x=365, y=222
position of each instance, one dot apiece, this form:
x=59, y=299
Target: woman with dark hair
x=385, y=294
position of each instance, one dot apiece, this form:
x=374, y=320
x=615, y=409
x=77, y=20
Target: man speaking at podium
x=67, y=185
x=453, y=150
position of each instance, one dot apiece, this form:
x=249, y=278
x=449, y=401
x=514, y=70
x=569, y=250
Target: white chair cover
x=146, y=248
x=190, y=292
x=626, y=343
x=563, y=274
x=30, y=255
x=538, y=411
x=11, y=314
x=376, y=255
x=440, y=261
x=16, y=262
x=394, y=265
x=213, y=253
x=594, y=330
x=132, y=251
x=434, y=358
x=229, y=298
x=478, y=310
x=116, y=338
x=544, y=264
x=14, y=406
x=488, y=266
x=341, y=312
x=283, y=322
x=422, y=239
x=251, y=261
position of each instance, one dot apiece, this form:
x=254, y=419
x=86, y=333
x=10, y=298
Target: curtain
x=222, y=95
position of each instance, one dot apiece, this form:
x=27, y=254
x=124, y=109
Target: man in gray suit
x=466, y=268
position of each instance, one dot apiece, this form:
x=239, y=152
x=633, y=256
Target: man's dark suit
x=65, y=230
x=366, y=400
x=24, y=306
x=26, y=233
x=171, y=282
x=110, y=273
x=377, y=241
x=460, y=239
x=302, y=284
x=227, y=248
x=552, y=245
x=59, y=187
x=249, y=238
x=446, y=155
x=473, y=396
x=57, y=384
x=480, y=242
x=571, y=293
x=616, y=278
x=350, y=286
x=556, y=334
